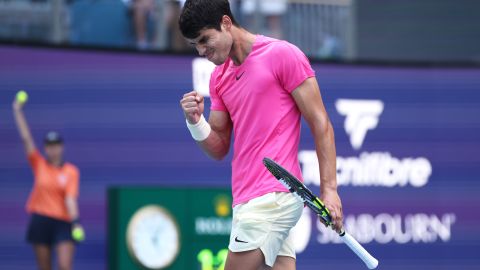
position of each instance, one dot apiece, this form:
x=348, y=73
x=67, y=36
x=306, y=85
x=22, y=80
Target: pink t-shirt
x=266, y=119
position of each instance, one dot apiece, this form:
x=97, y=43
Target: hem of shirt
x=246, y=199
x=297, y=84
x=29, y=211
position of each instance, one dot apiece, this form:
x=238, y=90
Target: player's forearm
x=214, y=146
x=213, y=137
x=72, y=208
x=23, y=129
x=326, y=153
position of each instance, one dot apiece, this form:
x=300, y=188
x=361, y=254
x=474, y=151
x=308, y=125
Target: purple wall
x=120, y=116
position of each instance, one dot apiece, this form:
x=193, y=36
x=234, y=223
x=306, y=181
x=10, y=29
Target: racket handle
x=363, y=254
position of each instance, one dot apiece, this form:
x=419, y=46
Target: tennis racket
x=305, y=195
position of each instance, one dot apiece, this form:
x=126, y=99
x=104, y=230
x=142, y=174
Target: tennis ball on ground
x=78, y=234
x=22, y=96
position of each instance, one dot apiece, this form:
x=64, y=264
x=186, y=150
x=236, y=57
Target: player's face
x=213, y=44
x=54, y=152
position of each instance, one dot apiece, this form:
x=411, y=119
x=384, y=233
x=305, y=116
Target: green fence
x=168, y=228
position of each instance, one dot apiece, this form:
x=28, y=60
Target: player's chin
x=216, y=60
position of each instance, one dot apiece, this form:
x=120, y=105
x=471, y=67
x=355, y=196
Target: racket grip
x=363, y=254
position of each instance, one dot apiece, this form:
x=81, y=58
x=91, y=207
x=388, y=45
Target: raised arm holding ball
x=54, y=222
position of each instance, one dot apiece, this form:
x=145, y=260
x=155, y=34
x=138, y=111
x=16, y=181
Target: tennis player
x=53, y=199
x=259, y=90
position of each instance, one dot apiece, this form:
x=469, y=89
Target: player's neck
x=242, y=45
x=58, y=163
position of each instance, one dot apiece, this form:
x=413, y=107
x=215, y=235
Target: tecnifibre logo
x=372, y=169
x=360, y=116
x=368, y=168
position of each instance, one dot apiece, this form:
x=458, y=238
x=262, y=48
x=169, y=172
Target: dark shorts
x=48, y=231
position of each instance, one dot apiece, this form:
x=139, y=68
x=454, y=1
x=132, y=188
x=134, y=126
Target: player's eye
x=204, y=40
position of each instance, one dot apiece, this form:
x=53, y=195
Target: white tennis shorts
x=265, y=223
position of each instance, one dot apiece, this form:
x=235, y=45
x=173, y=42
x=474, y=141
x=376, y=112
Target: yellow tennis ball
x=78, y=234
x=22, y=96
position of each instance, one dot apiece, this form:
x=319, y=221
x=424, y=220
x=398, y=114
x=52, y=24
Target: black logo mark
x=239, y=241
x=238, y=77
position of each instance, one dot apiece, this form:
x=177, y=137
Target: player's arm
x=213, y=136
x=78, y=233
x=71, y=203
x=308, y=99
x=72, y=207
x=217, y=144
x=23, y=128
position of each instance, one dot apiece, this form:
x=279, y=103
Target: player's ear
x=226, y=23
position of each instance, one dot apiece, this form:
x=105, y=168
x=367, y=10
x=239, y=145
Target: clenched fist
x=192, y=105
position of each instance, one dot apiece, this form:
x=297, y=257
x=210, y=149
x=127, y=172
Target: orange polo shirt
x=52, y=185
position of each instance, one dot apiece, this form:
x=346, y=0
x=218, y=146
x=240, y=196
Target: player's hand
x=192, y=105
x=78, y=233
x=333, y=203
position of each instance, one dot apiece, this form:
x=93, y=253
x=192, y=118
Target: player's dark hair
x=203, y=14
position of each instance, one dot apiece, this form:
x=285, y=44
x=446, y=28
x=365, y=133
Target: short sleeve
x=35, y=158
x=215, y=99
x=71, y=189
x=291, y=66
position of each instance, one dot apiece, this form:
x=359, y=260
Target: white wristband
x=200, y=130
